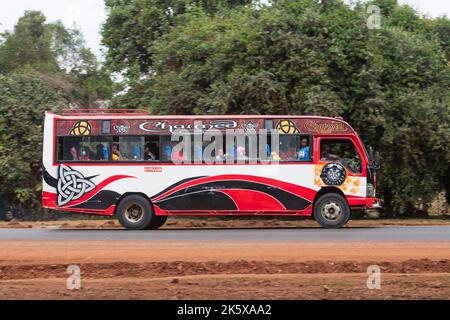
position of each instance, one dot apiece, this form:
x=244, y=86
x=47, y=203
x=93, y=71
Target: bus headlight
x=370, y=192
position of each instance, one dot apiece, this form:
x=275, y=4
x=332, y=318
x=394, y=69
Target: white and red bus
x=123, y=163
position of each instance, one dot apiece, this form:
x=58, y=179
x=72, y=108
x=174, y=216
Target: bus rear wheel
x=135, y=213
x=331, y=210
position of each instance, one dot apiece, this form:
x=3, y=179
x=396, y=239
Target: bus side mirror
x=376, y=160
x=371, y=157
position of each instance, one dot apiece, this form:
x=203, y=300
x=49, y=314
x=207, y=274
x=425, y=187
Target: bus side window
x=288, y=147
x=130, y=148
x=68, y=148
x=231, y=151
x=151, y=149
x=83, y=149
x=295, y=148
x=197, y=148
x=166, y=148
x=220, y=155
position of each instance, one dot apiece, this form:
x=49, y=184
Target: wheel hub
x=331, y=211
x=134, y=213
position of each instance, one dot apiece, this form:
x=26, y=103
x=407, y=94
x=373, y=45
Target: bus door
x=340, y=164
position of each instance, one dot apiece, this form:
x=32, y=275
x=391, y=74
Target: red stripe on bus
x=253, y=200
x=303, y=192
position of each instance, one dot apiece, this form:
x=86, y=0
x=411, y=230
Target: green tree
x=59, y=54
x=133, y=26
x=30, y=43
x=24, y=97
x=441, y=28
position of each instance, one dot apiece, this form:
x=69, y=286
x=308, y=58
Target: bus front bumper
x=373, y=203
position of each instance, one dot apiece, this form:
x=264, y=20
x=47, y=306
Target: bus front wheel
x=331, y=210
x=136, y=213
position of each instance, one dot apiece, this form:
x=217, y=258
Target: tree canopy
x=59, y=55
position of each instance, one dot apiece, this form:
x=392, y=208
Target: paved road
x=426, y=233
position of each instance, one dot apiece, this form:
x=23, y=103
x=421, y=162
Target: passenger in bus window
x=274, y=156
x=84, y=153
x=287, y=149
x=90, y=153
x=177, y=156
x=74, y=153
x=241, y=153
x=303, y=152
x=80, y=154
x=149, y=154
x=168, y=151
x=99, y=154
x=137, y=154
x=106, y=152
x=231, y=153
x=116, y=153
x=326, y=155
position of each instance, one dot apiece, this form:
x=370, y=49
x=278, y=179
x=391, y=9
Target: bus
x=142, y=168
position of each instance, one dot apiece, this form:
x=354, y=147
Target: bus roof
x=141, y=114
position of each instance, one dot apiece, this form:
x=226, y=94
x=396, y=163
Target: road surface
x=405, y=233
x=226, y=263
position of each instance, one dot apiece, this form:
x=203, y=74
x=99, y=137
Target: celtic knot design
x=286, y=127
x=72, y=185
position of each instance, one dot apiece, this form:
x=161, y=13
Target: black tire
x=135, y=212
x=331, y=210
x=157, y=222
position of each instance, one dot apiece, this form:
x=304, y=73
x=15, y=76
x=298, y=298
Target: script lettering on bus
x=164, y=127
x=324, y=127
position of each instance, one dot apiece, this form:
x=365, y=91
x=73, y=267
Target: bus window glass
x=197, y=146
x=166, y=148
x=231, y=151
x=246, y=147
x=151, y=149
x=294, y=148
x=288, y=147
x=130, y=148
x=265, y=148
x=219, y=150
x=342, y=151
x=68, y=148
x=83, y=149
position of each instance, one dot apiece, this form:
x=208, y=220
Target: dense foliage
x=43, y=66
x=24, y=97
x=297, y=56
